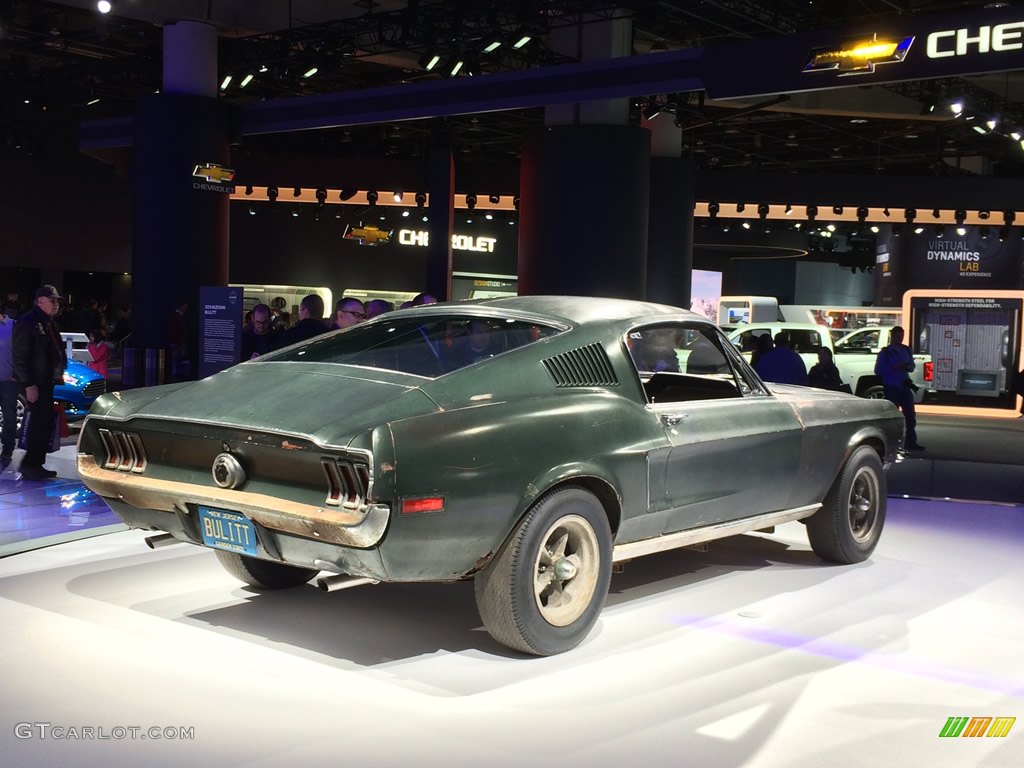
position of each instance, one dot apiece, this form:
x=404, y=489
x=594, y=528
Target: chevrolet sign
x=859, y=56
x=986, y=39
x=213, y=172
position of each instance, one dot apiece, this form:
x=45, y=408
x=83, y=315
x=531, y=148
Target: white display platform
x=750, y=654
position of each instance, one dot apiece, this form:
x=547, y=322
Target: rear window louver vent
x=587, y=366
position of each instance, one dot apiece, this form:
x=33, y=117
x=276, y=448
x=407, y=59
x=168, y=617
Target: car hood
x=323, y=401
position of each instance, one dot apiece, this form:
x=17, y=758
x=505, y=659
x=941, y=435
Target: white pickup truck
x=854, y=354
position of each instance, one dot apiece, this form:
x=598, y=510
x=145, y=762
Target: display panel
x=974, y=339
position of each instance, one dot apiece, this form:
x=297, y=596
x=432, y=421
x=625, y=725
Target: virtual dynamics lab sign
x=968, y=261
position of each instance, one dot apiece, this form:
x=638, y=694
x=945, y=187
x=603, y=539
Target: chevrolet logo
x=213, y=172
x=368, y=235
x=859, y=56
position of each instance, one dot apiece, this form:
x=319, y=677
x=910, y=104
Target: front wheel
x=264, y=574
x=542, y=592
x=876, y=392
x=847, y=527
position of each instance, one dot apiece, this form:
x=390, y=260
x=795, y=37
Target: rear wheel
x=264, y=574
x=543, y=591
x=876, y=392
x=847, y=527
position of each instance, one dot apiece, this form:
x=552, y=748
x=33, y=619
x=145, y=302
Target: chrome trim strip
x=349, y=528
x=708, y=533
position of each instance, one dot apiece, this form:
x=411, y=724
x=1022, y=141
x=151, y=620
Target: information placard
x=220, y=328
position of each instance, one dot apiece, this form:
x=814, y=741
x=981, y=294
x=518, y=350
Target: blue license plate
x=227, y=530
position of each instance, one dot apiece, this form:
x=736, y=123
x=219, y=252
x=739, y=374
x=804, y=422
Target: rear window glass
x=425, y=345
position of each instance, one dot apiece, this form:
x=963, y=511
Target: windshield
x=425, y=345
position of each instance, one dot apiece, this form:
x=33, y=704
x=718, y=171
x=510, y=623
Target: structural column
x=670, y=230
x=584, y=186
x=441, y=213
x=179, y=220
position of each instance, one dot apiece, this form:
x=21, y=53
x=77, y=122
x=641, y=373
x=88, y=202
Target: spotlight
x=959, y=215
x=515, y=202
x=740, y=207
x=713, y=209
x=936, y=213
x=812, y=211
x=493, y=199
x=862, y=214
x=789, y=209
x=762, y=210
x=297, y=192
x=984, y=215
x=1008, y=217
x=321, y=196
x=421, y=199
x=272, y=194
x=397, y=197
x=956, y=107
x=471, y=201
x=347, y=194
x=371, y=197
x=837, y=210
x=248, y=189
x=885, y=212
x=910, y=214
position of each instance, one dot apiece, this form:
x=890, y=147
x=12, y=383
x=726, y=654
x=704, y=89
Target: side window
x=685, y=362
x=804, y=341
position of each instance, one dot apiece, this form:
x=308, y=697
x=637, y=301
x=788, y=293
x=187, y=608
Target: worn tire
x=264, y=574
x=544, y=589
x=847, y=527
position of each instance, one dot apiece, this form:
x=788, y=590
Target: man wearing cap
x=39, y=361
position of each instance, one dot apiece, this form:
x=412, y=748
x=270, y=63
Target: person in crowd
x=824, y=374
x=782, y=365
x=762, y=344
x=39, y=362
x=99, y=351
x=479, y=343
x=376, y=307
x=261, y=337
x=423, y=298
x=311, y=321
x=894, y=364
x=10, y=388
x=90, y=317
x=14, y=305
x=122, y=326
x=348, y=312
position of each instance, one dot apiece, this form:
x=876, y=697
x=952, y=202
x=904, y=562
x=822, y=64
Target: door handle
x=671, y=419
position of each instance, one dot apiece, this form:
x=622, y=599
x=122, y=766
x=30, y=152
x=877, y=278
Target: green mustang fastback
x=525, y=443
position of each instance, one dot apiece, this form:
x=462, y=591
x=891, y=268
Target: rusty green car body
x=524, y=442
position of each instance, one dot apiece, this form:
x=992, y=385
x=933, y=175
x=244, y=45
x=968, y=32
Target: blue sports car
x=81, y=387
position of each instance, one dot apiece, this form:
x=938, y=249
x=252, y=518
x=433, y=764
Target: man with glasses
x=349, y=312
x=39, y=361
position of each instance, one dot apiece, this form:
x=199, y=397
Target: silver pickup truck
x=854, y=354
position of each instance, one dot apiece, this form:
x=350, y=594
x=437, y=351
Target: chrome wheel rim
x=566, y=570
x=863, y=506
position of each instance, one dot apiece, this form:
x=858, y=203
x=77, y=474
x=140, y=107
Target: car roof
x=577, y=310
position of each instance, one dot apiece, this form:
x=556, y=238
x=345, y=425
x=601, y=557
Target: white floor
x=750, y=654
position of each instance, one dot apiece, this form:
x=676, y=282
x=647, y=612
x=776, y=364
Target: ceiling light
x=940, y=231
x=295, y=211
x=523, y=40
x=959, y=215
x=910, y=214
x=1004, y=232
x=264, y=68
x=713, y=209
x=837, y=210
x=272, y=194
x=225, y=82
x=246, y=80
x=92, y=101
x=979, y=129
x=936, y=213
x=918, y=230
x=405, y=212
x=862, y=214
x=456, y=68
x=961, y=231
x=897, y=230
x=371, y=197
x=983, y=232
x=321, y=196
x=740, y=207
x=812, y=211
x=789, y=209
x=493, y=199
x=429, y=61
x=1015, y=135
x=492, y=47
x=311, y=71
x=104, y=6
x=397, y=197
x=488, y=216
x=991, y=123
x=252, y=210
x=297, y=192
x=1008, y=217
x=874, y=229
x=957, y=108
x=885, y=212
x=831, y=227
x=746, y=225
x=762, y=210
x=421, y=199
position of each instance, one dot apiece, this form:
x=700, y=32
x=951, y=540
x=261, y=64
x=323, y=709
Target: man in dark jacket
x=311, y=322
x=39, y=361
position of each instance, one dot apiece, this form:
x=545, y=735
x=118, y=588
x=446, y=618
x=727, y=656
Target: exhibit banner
x=974, y=340
x=977, y=260
x=220, y=328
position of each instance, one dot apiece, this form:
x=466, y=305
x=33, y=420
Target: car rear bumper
x=360, y=528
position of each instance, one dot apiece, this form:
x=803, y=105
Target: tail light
x=123, y=451
x=929, y=371
x=348, y=483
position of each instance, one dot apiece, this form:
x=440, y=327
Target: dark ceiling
x=59, y=58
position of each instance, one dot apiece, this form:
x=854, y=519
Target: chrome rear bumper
x=360, y=528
